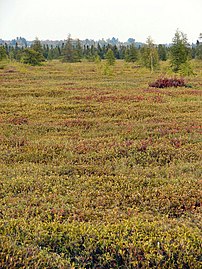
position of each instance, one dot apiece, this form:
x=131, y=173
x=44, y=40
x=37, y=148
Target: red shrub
x=19, y=121
x=168, y=82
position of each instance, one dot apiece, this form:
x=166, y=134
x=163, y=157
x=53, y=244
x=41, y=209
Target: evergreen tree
x=179, y=51
x=88, y=52
x=16, y=50
x=110, y=57
x=68, y=51
x=193, y=51
x=162, y=52
x=30, y=56
x=78, y=53
x=100, y=51
x=104, y=51
x=122, y=52
x=11, y=54
x=37, y=47
x=116, y=52
x=50, y=53
x=57, y=52
x=3, y=54
x=131, y=54
x=45, y=51
x=7, y=49
x=93, y=51
x=17, y=53
x=199, y=50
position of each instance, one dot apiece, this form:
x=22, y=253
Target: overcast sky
x=55, y=19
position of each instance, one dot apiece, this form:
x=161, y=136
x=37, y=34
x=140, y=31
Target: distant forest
x=72, y=50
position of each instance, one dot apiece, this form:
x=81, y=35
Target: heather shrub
x=168, y=82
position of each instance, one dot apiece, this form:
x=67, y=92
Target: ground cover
x=99, y=170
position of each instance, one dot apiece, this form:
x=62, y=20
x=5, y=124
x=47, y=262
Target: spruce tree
x=30, y=56
x=179, y=51
x=68, y=51
x=57, y=52
x=116, y=52
x=78, y=53
x=110, y=57
x=3, y=54
x=162, y=52
x=100, y=51
x=131, y=54
x=199, y=48
x=122, y=52
x=50, y=53
x=37, y=47
x=87, y=52
x=45, y=51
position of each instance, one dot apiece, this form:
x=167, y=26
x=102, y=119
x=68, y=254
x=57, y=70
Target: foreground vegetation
x=98, y=170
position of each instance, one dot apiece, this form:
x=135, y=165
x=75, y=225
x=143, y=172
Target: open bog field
x=97, y=169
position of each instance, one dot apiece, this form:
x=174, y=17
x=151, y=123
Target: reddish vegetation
x=106, y=97
x=19, y=121
x=168, y=82
x=157, y=99
x=78, y=123
x=175, y=142
x=144, y=144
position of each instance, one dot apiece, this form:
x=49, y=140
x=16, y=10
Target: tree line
x=148, y=55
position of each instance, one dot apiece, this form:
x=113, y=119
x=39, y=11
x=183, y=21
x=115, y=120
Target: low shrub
x=168, y=82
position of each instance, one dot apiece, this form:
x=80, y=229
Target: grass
x=98, y=170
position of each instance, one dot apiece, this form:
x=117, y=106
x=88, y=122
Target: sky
x=55, y=19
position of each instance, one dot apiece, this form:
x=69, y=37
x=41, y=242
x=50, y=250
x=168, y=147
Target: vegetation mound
x=168, y=82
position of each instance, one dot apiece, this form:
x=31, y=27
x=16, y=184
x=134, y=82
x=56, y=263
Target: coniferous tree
x=57, y=52
x=122, y=52
x=199, y=49
x=16, y=50
x=116, y=52
x=50, y=53
x=100, y=51
x=110, y=57
x=93, y=51
x=30, y=56
x=104, y=50
x=68, y=51
x=7, y=49
x=17, y=53
x=78, y=53
x=131, y=54
x=38, y=48
x=45, y=51
x=162, y=52
x=179, y=51
x=87, y=52
x=11, y=53
x=3, y=54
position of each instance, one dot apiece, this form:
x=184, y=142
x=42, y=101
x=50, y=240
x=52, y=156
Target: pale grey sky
x=55, y=19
